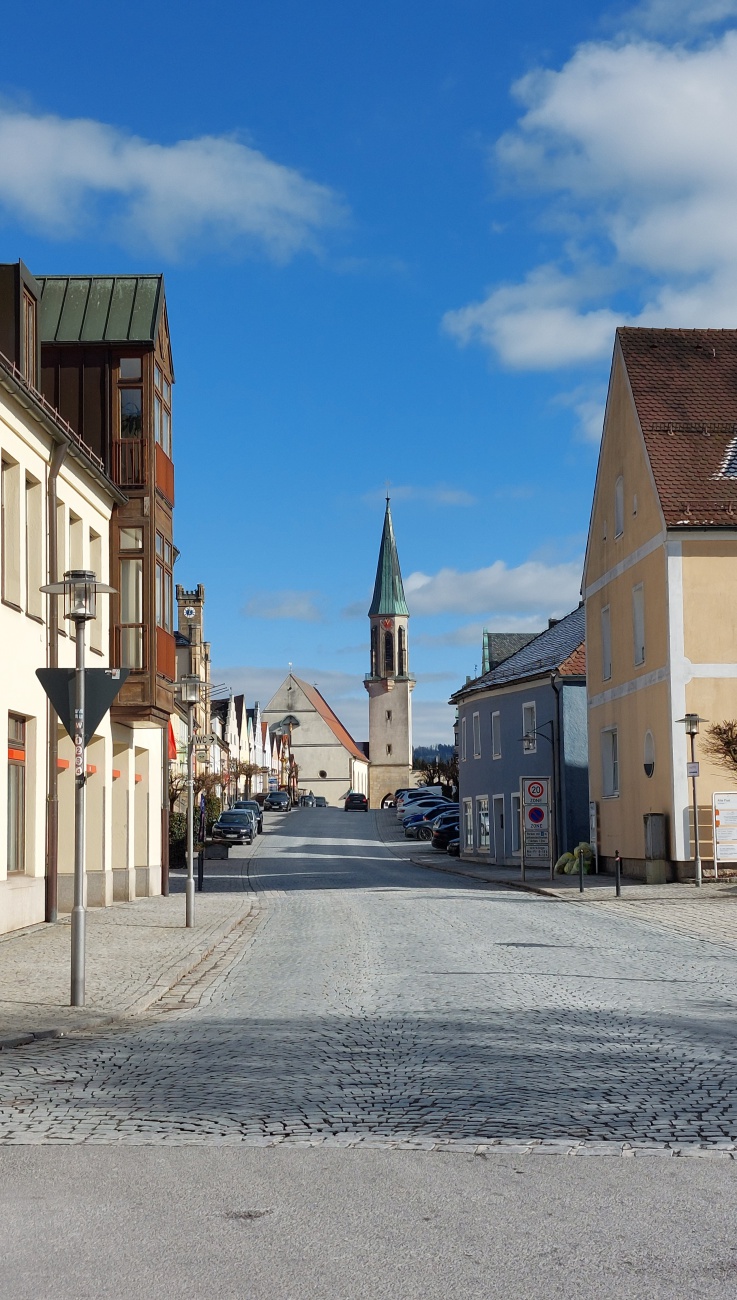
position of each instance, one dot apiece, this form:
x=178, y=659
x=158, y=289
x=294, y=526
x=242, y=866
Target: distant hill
x=428, y=752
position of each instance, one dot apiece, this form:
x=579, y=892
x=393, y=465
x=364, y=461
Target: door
x=499, y=845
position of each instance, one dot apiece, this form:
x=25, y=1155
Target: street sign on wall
x=536, y=837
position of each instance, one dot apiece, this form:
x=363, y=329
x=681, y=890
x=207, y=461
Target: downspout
x=558, y=801
x=52, y=799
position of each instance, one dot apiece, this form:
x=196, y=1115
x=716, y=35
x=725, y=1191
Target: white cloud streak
x=440, y=495
x=301, y=606
x=671, y=17
x=67, y=176
x=633, y=148
x=528, y=589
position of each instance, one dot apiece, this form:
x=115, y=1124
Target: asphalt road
x=386, y=1005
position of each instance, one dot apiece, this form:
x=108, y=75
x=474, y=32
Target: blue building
x=525, y=718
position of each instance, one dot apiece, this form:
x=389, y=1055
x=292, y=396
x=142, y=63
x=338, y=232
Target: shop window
x=16, y=793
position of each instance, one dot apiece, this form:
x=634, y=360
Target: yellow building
x=660, y=584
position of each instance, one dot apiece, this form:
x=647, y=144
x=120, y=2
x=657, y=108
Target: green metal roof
x=100, y=308
x=388, y=589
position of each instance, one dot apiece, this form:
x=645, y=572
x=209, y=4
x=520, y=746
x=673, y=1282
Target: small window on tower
x=388, y=715
x=388, y=749
x=322, y=774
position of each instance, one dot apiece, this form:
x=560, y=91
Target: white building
x=329, y=760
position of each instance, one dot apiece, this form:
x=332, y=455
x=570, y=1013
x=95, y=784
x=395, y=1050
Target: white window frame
x=516, y=824
x=606, y=644
x=529, y=737
x=638, y=623
x=619, y=506
x=481, y=800
x=468, y=824
x=463, y=740
x=476, y=729
x=496, y=734
x=609, y=763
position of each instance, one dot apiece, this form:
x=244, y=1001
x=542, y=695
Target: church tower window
x=401, y=653
x=374, y=652
x=388, y=653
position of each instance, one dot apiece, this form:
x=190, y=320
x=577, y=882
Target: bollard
x=618, y=873
x=580, y=870
x=200, y=871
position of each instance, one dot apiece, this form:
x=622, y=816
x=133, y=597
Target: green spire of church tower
x=388, y=596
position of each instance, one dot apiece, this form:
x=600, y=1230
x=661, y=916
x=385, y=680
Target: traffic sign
x=101, y=685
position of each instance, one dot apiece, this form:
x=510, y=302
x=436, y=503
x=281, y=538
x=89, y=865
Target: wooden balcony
x=164, y=475
x=131, y=646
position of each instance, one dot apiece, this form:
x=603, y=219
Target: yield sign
x=101, y=685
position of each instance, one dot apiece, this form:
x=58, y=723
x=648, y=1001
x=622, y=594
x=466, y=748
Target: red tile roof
x=334, y=723
x=575, y=664
x=684, y=385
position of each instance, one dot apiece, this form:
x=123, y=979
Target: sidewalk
x=673, y=905
x=136, y=954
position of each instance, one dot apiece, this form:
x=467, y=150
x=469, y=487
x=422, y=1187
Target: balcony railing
x=131, y=646
x=129, y=462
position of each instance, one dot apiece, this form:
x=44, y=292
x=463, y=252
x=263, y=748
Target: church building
x=389, y=683
x=329, y=761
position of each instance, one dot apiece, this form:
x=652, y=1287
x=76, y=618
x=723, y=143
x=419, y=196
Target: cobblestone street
x=381, y=1004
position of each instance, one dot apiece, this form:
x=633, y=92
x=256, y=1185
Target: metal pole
x=189, y=896
x=580, y=870
x=618, y=874
x=697, y=853
x=80, y=781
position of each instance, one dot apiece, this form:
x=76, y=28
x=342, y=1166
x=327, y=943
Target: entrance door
x=499, y=845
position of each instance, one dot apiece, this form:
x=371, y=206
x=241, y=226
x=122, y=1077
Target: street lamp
x=79, y=589
x=189, y=690
x=691, y=722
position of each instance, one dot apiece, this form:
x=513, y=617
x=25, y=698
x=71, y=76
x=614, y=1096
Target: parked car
x=454, y=848
x=356, y=801
x=254, y=807
x=422, y=806
x=320, y=801
x=307, y=801
x=413, y=800
x=277, y=801
x=418, y=826
x=235, y=826
x=444, y=833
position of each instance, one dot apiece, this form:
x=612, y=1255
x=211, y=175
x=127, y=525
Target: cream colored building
x=34, y=445
x=329, y=760
x=660, y=585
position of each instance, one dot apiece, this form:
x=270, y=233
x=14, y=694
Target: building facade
x=525, y=718
x=329, y=761
x=660, y=572
x=389, y=682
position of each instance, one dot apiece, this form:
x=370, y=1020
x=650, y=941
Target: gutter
x=555, y=683
x=58, y=456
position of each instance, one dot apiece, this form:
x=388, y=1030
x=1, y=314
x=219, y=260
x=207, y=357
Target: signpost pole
x=80, y=781
x=522, y=828
x=696, y=846
x=189, y=894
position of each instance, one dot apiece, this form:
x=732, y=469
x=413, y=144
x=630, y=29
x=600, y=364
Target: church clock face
x=387, y=624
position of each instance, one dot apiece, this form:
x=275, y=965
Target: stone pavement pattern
x=378, y=1004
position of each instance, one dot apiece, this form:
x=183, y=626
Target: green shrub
x=177, y=838
x=212, y=811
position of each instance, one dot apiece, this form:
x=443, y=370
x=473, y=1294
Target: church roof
x=388, y=589
x=326, y=713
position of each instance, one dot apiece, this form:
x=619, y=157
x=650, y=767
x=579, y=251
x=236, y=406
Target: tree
x=721, y=744
x=439, y=771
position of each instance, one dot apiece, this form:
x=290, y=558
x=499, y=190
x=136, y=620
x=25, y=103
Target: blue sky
x=397, y=240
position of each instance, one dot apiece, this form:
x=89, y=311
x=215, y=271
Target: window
x=402, y=652
x=463, y=740
x=130, y=367
x=388, y=749
x=16, y=793
x=131, y=413
x=649, y=754
x=164, y=583
x=482, y=822
x=388, y=715
x=162, y=410
x=529, y=729
x=619, y=507
x=374, y=652
x=34, y=544
x=131, y=613
x=75, y=549
x=606, y=644
x=96, y=628
x=467, y=824
x=11, y=560
x=609, y=763
x=476, y=721
x=638, y=622
x=131, y=539
x=388, y=654
x=515, y=823
x=496, y=735
x=322, y=774
x=30, y=344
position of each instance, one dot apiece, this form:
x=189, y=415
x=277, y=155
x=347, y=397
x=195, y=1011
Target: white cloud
x=440, y=495
x=299, y=605
x=658, y=17
x=589, y=404
x=65, y=176
x=471, y=633
x=633, y=148
x=529, y=589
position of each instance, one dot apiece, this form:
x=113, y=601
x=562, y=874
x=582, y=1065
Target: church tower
x=389, y=683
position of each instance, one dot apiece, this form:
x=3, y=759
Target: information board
x=724, y=817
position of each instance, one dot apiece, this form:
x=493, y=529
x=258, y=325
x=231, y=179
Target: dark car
x=250, y=805
x=307, y=801
x=356, y=801
x=239, y=827
x=454, y=848
x=418, y=826
x=444, y=833
x=277, y=801
x=320, y=801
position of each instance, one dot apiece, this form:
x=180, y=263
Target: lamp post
x=691, y=722
x=79, y=589
x=189, y=689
